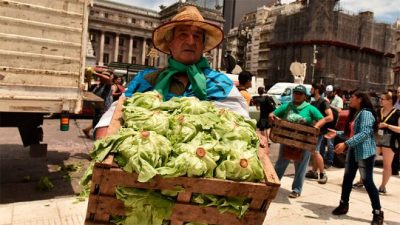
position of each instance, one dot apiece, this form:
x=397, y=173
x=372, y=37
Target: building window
x=133, y=20
x=91, y=12
x=133, y=60
x=134, y=44
x=107, y=40
x=121, y=42
x=92, y=37
x=106, y=58
x=106, y=15
x=120, y=58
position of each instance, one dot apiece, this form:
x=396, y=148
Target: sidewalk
x=317, y=201
x=313, y=207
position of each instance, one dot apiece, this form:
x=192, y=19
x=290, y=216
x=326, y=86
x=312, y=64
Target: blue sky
x=384, y=10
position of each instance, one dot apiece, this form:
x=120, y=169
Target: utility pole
x=314, y=62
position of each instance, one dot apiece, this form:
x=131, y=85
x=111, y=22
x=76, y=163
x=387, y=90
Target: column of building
x=127, y=57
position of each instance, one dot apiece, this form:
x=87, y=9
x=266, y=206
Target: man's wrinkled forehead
x=190, y=28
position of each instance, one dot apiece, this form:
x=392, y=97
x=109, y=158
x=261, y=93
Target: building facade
x=347, y=50
x=122, y=33
x=267, y=34
x=396, y=59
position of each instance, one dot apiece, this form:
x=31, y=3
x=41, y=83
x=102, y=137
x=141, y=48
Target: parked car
x=283, y=91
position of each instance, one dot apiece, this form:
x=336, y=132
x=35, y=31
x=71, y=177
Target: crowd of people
x=187, y=37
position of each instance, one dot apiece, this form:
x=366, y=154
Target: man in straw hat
x=185, y=38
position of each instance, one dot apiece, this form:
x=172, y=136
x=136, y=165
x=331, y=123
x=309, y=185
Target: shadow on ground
x=20, y=173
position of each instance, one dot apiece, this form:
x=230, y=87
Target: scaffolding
x=352, y=50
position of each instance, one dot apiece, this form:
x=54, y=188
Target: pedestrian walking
x=305, y=113
x=317, y=156
x=388, y=135
x=265, y=104
x=244, y=84
x=336, y=105
x=361, y=126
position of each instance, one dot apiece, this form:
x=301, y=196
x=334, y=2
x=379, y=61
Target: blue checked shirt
x=363, y=141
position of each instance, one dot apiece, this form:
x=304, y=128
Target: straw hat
x=189, y=15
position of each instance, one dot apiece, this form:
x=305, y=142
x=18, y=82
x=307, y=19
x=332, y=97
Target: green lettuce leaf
x=148, y=151
x=144, y=207
x=148, y=100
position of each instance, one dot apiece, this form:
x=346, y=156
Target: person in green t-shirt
x=297, y=111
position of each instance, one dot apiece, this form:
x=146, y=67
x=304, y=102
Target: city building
x=235, y=10
x=396, y=60
x=122, y=33
x=341, y=48
x=267, y=33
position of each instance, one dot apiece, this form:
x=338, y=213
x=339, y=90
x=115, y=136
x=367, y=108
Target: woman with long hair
x=361, y=125
x=388, y=135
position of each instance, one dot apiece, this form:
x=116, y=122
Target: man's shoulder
x=210, y=73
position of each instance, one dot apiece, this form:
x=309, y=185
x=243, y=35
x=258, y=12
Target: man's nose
x=190, y=39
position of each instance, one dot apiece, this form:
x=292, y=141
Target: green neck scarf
x=194, y=72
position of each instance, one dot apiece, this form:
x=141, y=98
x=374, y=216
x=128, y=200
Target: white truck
x=42, y=62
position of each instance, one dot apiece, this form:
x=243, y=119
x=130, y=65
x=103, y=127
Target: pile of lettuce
x=180, y=137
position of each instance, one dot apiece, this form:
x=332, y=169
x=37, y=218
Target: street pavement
x=60, y=206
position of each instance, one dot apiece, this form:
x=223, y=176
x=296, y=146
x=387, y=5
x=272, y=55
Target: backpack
x=268, y=103
x=332, y=124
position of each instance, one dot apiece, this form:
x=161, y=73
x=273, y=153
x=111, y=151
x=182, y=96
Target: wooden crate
x=294, y=135
x=107, y=176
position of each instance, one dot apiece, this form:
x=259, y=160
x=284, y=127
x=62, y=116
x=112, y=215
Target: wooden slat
x=194, y=185
x=303, y=137
x=116, y=119
x=105, y=204
x=308, y=129
x=184, y=196
x=181, y=212
x=211, y=215
x=292, y=143
x=270, y=175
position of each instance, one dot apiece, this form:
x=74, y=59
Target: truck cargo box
x=42, y=51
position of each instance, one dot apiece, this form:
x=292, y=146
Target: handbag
x=385, y=137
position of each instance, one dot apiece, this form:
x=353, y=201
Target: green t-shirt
x=308, y=112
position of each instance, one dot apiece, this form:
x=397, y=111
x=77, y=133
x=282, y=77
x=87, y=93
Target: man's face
x=313, y=92
x=330, y=94
x=187, y=44
x=398, y=92
x=298, y=97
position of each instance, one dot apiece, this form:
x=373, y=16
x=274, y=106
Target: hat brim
x=301, y=92
x=214, y=34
